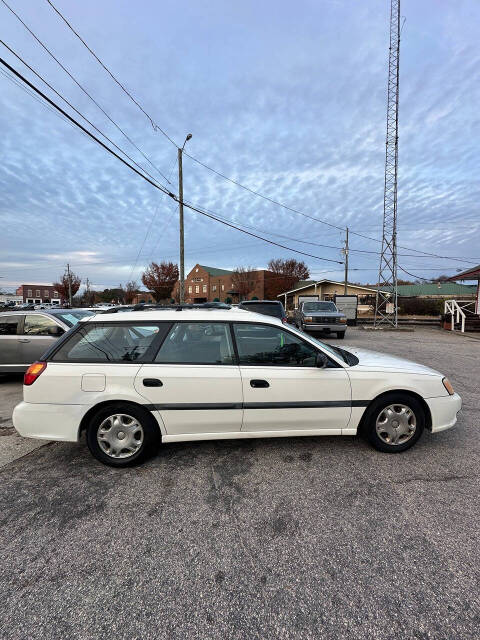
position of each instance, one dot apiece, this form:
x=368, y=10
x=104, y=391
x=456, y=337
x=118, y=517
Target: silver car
x=26, y=335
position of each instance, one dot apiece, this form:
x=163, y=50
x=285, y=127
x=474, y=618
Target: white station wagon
x=139, y=379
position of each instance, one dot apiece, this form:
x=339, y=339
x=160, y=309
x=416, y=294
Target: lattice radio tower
x=386, y=300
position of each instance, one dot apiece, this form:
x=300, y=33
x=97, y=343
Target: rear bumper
x=48, y=421
x=444, y=411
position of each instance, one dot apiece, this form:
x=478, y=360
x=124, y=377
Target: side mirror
x=55, y=331
x=321, y=360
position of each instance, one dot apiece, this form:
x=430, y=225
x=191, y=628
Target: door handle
x=152, y=382
x=259, y=384
x=24, y=340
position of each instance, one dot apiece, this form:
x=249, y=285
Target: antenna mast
x=386, y=299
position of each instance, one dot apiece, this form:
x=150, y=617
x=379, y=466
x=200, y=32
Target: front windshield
x=319, y=306
x=71, y=316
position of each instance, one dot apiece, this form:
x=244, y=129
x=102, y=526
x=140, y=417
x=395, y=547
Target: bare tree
x=244, y=280
x=131, y=289
x=284, y=274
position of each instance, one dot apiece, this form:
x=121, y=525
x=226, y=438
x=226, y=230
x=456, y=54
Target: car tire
x=340, y=335
x=394, y=416
x=120, y=424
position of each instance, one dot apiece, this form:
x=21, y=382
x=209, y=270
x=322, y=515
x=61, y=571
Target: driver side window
x=260, y=344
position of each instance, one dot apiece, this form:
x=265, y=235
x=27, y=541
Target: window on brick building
x=204, y=288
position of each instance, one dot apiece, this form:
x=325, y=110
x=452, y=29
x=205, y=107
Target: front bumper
x=48, y=421
x=333, y=327
x=444, y=411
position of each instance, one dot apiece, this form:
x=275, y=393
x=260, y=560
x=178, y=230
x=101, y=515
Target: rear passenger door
x=194, y=382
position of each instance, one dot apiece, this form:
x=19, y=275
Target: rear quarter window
x=9, y=325
x=112, y=342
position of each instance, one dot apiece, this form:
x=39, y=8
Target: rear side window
x=110, y=342
x=197, y=343
x=9, y=325
x=275, y=310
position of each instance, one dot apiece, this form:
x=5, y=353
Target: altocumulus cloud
x=287, y=99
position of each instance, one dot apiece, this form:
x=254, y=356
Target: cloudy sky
x=287, y=98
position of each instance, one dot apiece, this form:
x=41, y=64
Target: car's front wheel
x=122, y=434
x=340, y=335
x=394, y=422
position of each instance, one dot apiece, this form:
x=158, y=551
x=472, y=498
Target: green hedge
x=420, y=306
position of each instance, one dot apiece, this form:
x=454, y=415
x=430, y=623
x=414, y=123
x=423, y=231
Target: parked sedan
x=133, y=381
x=26, y=335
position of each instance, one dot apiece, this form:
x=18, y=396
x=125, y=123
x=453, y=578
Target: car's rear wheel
x=122, y=434
x=394, y=422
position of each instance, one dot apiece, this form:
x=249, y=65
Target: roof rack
x=169, y=307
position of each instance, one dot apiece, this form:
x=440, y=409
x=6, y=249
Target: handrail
x=456, y=311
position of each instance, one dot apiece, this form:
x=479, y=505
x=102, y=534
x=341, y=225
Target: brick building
x=143, y=296
x=39, y=294
x=209, y=284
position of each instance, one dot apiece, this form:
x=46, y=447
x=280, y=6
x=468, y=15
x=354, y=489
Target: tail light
x=284, y=319
x=33, y=372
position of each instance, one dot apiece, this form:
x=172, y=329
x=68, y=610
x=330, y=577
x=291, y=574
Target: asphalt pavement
x=291, y=538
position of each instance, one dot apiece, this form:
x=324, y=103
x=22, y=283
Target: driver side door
x=283, y=389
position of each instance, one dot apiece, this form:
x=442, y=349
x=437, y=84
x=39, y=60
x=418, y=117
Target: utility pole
x=345, y=253
x=180, y=211
x=386, y=300
x=69, y=285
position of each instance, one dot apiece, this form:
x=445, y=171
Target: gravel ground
x=289, y=538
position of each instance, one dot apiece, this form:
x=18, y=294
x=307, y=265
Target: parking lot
x=291, y=538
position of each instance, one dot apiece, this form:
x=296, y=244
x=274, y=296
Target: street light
x=180, y=210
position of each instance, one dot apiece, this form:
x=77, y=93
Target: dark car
x=267, y=307
x=26, y=335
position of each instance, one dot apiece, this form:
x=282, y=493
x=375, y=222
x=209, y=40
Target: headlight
x=448, y=386
x=308, y=319
x=342, y=319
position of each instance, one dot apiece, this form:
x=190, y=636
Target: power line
x=83, y=88
x=70, y=105
x=154, y=184
x=254, y=235
x=80, y=126
x=412, y=275
x=155, y=126
x=144, y=239
x=261, y=195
